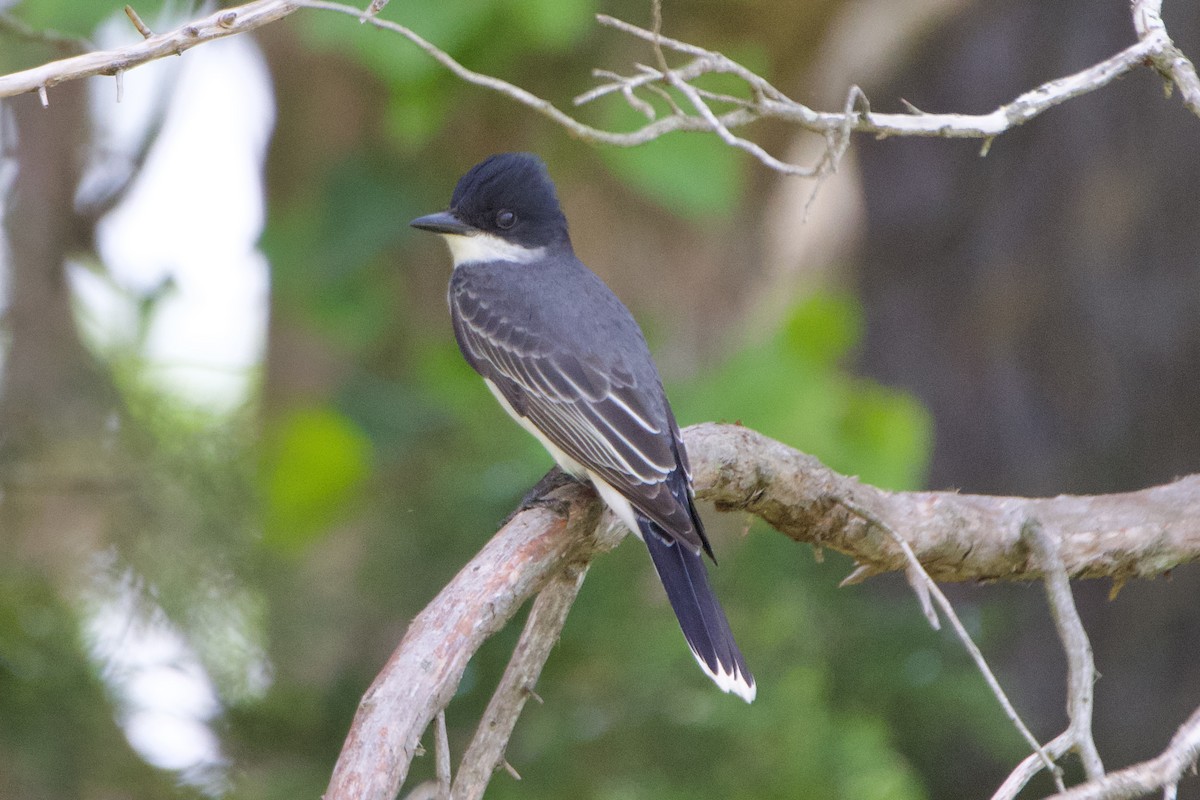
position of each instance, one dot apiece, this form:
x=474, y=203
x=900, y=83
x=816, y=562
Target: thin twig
x=486, y=751
x=142, y=27
x=727, y=136
x=1081, y=668
x=441, y=754
x=917, y=573
x=1031, y=765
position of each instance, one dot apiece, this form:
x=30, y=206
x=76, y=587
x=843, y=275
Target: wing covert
x=595, y=410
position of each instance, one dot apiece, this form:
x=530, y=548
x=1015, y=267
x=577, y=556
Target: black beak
x=442, y=222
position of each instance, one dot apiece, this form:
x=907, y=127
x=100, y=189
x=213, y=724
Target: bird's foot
x=537, y=497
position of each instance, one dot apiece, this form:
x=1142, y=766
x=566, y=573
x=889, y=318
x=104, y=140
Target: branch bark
x=956, y=537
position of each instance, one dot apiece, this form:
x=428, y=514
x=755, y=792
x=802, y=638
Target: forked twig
x=1081, y=669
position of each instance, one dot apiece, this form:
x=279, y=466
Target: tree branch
x=1168, y=59
x=223, y=23
x=1153, y=47
x=955, y=537
x=1162, y=772
x=542, y=629
x=1081, y=668
x=1081, y=671
x=422, y=674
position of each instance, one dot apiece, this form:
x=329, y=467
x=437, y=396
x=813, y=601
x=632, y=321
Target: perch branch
x=953, y=536
x=422, y=674
x=956, y=537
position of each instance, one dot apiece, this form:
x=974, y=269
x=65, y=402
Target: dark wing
x=610, y=417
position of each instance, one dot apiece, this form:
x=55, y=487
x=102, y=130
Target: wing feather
x=596, y=412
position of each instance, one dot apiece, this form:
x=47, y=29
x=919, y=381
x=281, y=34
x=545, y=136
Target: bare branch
x=1081, y=668
x=1031, y=765
x=226, y=22
x=1171, y=63
x=954, y=537
x=769, y=102
x=486, y=751
x=1160, y=773
x=422, y=674
x=1153, y=47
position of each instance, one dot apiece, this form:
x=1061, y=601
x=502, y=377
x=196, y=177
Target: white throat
x=476, y=247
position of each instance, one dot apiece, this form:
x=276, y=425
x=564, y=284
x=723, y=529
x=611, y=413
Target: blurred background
x=239, y=450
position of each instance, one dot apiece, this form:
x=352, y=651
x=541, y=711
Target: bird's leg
x=538, y=495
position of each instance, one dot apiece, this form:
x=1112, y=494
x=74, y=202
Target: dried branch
x=1153, y=47
x=1160, y=773
x=226, y=22
x=1171, y=63
x=486, y=751
x=1081, y=669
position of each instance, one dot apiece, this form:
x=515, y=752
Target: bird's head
x=504, y=209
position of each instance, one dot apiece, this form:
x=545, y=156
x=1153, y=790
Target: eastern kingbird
x=567, y=361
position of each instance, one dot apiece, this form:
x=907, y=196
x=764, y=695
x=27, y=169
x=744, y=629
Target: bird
x=567, y=360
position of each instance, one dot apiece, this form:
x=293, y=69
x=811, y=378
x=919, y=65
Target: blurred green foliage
x=314, y=464
x=853, y=425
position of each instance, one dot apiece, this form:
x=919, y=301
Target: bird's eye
x=505, y=219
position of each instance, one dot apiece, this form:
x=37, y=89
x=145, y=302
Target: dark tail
x=700, y=616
